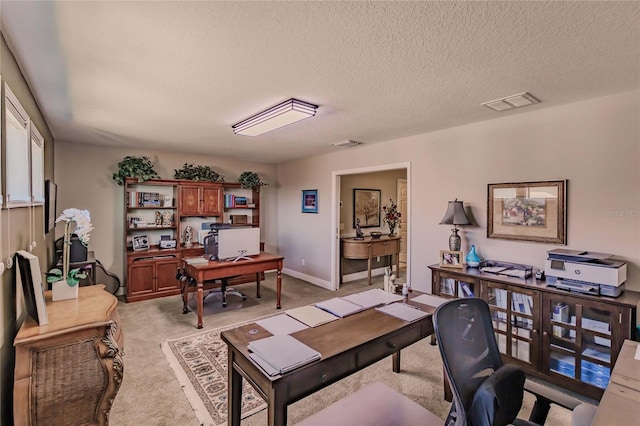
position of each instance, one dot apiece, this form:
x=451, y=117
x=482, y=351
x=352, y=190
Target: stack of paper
x=281, y=324
x=375, y=297
x=311, y=315
x=197, y=260
x=281, y=353
x=428, y=299
x=339, y=307
x=403, y=311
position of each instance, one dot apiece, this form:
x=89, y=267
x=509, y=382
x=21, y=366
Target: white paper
x=311, y=316
x=339, y=307
x=428, y=299
x=403, y=311
x=637, y=355
x=374, y=297
x=281, y=324
x=283, y=352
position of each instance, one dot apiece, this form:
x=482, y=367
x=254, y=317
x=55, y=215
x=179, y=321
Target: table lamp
x=455, y=216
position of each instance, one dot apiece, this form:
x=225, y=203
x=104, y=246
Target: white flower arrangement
x=83, y=229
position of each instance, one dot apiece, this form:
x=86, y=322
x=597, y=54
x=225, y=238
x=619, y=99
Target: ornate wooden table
x=368, y=248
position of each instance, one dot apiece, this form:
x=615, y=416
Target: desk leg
x=398, y=264
x=258, y=285
x=200, y=303
x=278, y=287
x=234, y=392
x=277, y=410
x=185, y=296
x=369, y=269
x=395, y=360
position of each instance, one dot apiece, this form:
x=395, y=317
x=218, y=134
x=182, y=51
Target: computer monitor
x=238, y=242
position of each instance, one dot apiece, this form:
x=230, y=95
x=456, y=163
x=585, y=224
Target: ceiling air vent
x=346, y=143
x=510, y=102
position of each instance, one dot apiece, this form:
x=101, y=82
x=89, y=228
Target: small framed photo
x=167, y=201
x=140, y=242
x=451, y=259
x=309, y=201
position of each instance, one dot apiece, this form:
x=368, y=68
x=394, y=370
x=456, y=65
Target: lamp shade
x=455, y=214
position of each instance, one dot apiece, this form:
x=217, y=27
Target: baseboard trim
x=308, y=278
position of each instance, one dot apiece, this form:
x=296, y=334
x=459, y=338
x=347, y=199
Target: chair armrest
x=553, y=395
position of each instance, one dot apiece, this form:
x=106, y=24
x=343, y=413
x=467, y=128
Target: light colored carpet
x=152, y=395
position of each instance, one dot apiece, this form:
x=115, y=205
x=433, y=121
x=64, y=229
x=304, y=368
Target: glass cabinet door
x=513, y=312
x=578, y=337
x=454, y=286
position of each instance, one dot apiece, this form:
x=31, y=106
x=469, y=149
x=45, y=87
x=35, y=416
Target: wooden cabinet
x=202, y=199
x=152, y=274
x=569, y=339
x=70, y=370
x=369, y=248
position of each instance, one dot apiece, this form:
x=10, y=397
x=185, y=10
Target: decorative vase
x=472, y=258
x=391, y=231
x=60, y=290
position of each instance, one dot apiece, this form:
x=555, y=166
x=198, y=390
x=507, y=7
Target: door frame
x=335, y=214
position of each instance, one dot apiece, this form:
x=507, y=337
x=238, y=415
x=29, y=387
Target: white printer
x=585, y=272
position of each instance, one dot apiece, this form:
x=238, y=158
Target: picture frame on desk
x=366, y=207
x=451, y=259
x=309, y=201
x=528, y=211
x=140, y=242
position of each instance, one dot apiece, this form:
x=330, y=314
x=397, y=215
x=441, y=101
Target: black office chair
x=485, y=391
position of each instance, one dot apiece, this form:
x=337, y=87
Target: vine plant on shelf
x=198, y=173
x=135, y=167
x=250, y=180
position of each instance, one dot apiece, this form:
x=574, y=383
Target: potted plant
x=136, y=167
x=250, y=180
x=199, y=173
x=64, y=283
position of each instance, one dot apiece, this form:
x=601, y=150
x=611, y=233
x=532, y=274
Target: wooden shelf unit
x=577, y=354
x=151, y=272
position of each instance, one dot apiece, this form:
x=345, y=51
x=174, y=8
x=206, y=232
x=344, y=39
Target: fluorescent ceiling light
x=513, y=101
x=346, y=143
x=283, y=114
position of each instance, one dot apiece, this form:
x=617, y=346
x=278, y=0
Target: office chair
x=225, y=291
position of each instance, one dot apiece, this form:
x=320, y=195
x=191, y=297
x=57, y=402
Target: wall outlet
x=302, y=262
x=378, y=259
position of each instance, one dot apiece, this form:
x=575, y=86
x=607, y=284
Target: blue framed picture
x=309, y=201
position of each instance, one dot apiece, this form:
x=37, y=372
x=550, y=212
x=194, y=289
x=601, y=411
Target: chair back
x=470, y=356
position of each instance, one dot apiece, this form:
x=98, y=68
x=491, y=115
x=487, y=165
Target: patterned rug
x=200, y=363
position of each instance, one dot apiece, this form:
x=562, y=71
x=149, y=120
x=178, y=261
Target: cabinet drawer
x=393, y=344
x=357, y=250
x=384, y=248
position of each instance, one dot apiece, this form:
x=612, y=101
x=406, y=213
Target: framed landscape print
x=309, y=201
x=528, y=211
x=366, y=207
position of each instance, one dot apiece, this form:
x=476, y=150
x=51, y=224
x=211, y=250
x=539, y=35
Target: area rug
x=199, y=361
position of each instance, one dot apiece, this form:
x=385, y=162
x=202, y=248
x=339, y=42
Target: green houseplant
x=250, y=180
x=199, y=173
x=136, y=167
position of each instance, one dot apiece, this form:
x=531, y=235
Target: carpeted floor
x=151, y=394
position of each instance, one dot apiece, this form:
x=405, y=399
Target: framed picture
x=50, y=200
x=366, y=207
x=528, y=211
x=451, y=259
x=140, y=242
x=309, y=201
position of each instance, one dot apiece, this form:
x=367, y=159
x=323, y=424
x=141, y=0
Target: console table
x=368, y=248
x=69, y=370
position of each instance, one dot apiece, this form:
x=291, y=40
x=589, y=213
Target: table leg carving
x=258, y=285
x=200, y=303
x=278, y=287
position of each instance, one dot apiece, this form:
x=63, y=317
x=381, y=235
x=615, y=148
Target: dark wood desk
x=215, y=270
x=346, y=345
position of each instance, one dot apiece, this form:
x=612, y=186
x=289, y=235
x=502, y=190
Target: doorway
x=337, y=206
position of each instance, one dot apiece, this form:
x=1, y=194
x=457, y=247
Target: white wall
x=83, y=174
x=594, y=144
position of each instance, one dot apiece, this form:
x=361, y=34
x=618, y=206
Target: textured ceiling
x=176, y=75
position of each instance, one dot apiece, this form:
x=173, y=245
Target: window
x=37, y=166
x=17, y=152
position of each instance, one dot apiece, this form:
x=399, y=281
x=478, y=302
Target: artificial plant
x=135, y=167
x=199, y=173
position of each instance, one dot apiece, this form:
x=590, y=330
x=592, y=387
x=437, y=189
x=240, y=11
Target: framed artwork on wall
x=50, y=200
x=309, y=201
x=366, y=207
x=528, y=211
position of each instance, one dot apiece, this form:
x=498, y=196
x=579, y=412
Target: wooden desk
x=224, y=269
x=370, y=248
x=619, y=403
x=70, y=369
x=346, y=346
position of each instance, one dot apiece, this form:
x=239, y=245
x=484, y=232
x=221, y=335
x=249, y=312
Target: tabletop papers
x=281, y=353
x=374, y=297
x=281, y=324
x=428, y=299
x=339, y=307
x=403, y=311
x=311, y=315
x=197, y=260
